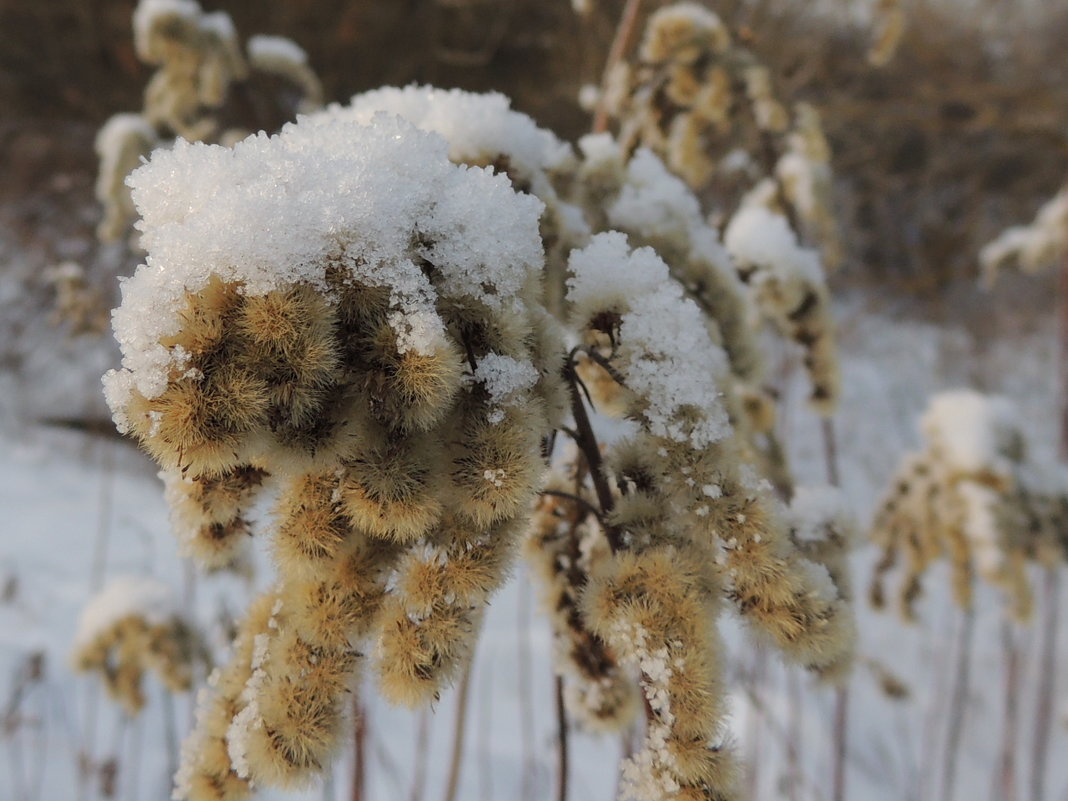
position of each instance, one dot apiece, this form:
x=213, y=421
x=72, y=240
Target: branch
x=587, y=443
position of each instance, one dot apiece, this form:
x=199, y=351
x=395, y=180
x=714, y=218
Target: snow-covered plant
x=788, y=285
x=364, y=318
x=132, y=627
x=972, y=496
x=693, y=95
x=200, y=68
x=706, y=105
x=1033, y=247
x=691, y=525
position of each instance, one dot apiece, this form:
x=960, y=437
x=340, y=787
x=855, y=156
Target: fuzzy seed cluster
x=694, y=527
x=131, y=628
x=565, y=544
x=363, y=321
x=374, y=364
x=970, y=495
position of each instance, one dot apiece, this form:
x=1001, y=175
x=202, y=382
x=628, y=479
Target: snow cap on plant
x=120, y=145
x=642, y=199
x=483, y=130
x=284, y=58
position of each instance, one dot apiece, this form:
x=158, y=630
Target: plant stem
x=841, y=695
x=526, y=711
x=1007, y=766
x=796, y=734
x=1051, y=587
x=459, y=731
x=1046, y=683
x=422, y=754
x=620, y=42
x=841, y=727
x=587, y=443
x=359, y=762
x=561, y=741
x=958, y=706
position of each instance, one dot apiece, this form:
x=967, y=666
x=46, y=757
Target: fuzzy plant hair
x=970, y=495
x=377, y=324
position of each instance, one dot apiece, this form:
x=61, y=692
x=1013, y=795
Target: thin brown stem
x=1062, y=352
x=587, y=443
x=359, y=750
x=589, y=507
x=1007, y=764
x=526, y=692
x=841, y=752
x=592, y=354
x=796, y=734
x=452, y=786
x=561, y=742
x=959, y=704
x=830, y=452
x=1046, y=684
x=841, y=695
x=628, y=20
x=759, y=675
x=422, y=756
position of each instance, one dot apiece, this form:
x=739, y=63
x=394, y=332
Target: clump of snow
x=116, y=134
x=506, y=379
x=152, y=16
x=476, y=126
x=758, y=237
x=249, y=718
x=667, y=356
x=123, y=597
x=655, y=204
x=277, y=211
x=816, y=512
x=221, y=25
x=263, y=49
x=972, y=433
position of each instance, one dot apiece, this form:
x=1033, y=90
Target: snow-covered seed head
x=327, y=306
x=973, y=496
x=130, y=628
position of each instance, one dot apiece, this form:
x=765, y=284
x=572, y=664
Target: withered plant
x=383, y=319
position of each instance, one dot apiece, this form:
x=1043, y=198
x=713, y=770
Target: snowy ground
x=80, y=508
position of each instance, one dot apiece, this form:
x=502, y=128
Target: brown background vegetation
x=961, y=135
